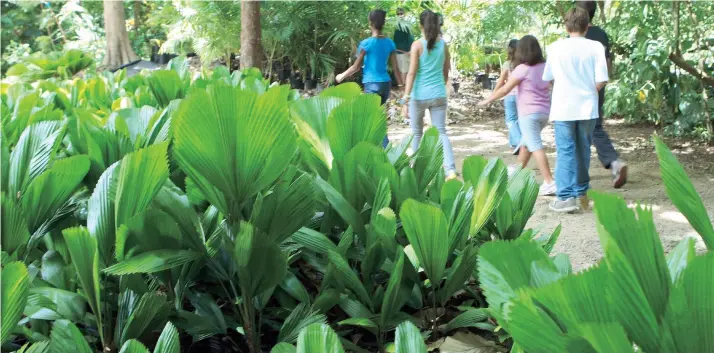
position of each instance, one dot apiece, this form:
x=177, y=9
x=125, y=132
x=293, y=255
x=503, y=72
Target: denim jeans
x=514, y=131
x=382, y=90
x=573, y=140
x=437, y=109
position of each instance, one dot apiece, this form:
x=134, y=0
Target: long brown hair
x=430, y=22
x=511, y=50
x=528, y=51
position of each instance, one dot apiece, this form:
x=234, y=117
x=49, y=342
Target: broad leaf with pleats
x=408, y=339
x=261, y=263
x=361, y=119
x=66, y=337
x=15, y=287
x=427, y=230
x=233, y=144
x=32, y=155
x=319, y=338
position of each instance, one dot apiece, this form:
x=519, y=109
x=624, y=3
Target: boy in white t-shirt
x=579, y=70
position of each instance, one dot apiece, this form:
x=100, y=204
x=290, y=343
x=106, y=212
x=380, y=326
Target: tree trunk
x=251, y=51
x=119, y=51
x=137, y=14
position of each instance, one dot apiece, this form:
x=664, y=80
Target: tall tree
x=119, y=51
x=251, y=50
x=137, y=15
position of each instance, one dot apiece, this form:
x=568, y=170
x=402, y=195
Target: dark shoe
x=619, y=173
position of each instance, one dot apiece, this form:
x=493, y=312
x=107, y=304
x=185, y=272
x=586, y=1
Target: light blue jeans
x=514, y=131
x=437, y=109
x=531, y=125
x=573, y=140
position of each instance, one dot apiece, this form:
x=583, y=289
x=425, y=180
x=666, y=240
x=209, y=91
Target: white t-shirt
x=575, y=65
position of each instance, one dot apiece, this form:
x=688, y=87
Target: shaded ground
x=477, y=131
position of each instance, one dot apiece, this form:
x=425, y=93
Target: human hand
x=483, y=103
x=405, y=110
x=339, y=78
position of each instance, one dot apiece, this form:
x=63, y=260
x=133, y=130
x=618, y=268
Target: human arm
x=501, y=79
x=356, y=66
x=447, y=63
x=503, y=91
x=395, y=68
x=414, y=54
x=601, y=69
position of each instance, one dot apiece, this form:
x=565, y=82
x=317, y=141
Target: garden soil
x=482, y=131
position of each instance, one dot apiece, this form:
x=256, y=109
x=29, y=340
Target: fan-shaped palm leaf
x=15, y=286
x=233, y=144
x=319, y=338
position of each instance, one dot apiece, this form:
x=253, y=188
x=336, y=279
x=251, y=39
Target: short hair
x=576, y=20
x=588, y=5
x=377, y=18
x=400, y=10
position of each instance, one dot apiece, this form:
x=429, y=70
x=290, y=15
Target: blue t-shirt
x=377, y=52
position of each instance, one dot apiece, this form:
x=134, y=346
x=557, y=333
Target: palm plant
x=636, y=296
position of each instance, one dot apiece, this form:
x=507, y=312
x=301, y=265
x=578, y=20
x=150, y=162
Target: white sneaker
x=512, y=170
x=548, y=189
x=564, y=206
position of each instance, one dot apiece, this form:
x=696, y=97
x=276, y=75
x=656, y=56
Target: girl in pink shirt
x=533, y=102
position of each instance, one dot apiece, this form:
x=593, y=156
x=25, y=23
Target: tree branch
x=701, y=75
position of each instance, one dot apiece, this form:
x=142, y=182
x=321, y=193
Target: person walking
x=533, y=105
x=426, y=86
x=372, y=56
x=403, y=40
x=578, y=68
x=606, y=152
x=509, y=102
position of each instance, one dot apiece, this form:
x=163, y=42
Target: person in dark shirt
x=403, y=39
x=605, y=150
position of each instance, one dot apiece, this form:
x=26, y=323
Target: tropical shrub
x=635, y=297
x=215, y=204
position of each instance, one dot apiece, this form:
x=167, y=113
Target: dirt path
x=483, y=132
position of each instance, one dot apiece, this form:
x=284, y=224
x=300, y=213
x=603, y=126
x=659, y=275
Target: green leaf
x=426, y=228
x=394, y=295
x=634, y=253
x=302, y=316
x=362, y=322
x=292, y=285
x=66, y=337
x=47, y=303
x=358, y=120
x=283, y=347
x=37, y=347
x=428, y=159
x=488, y=191
x=469, y=318
x=153, y=261
x=346, y=90
x=347, y=276
x=679, y=258
x=460, y=272
x=166, y=85
x=606, y=338
x=32, y=154
x=15, y=287
x=408, y=339
x=242, y=145
x=85, y=258
x=14, y=225
x=51, y=189
x=342, y=206
x=261, y=263
x=698, y=290
x=310, y=117
x=314, y=240
x=319, y=338
x=463, y=342
x=151, y=310
x=682, y=193
x=133, y=346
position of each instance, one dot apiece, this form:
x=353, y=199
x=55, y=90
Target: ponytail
x=430, y=22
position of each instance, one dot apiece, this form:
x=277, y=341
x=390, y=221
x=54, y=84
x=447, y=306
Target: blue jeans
x=514, y=131
x=437, y=109
x=382, y=90
x=573, y=140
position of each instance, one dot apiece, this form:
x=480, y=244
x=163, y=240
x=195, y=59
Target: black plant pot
x=492, y=83
x=310, y=83
x=296, y=83
x=164, y=59
x=154, y=53
x=456, y=86
x=283, y=75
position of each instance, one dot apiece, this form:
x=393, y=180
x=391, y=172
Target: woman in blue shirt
x=372, y=56
x=426, y=86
